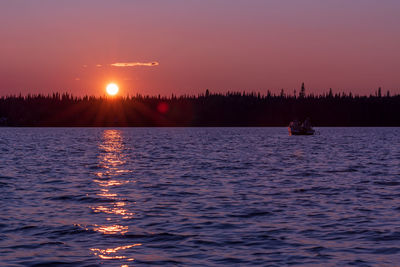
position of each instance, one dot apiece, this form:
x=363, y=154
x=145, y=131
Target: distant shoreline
x=205, y=110
x=165, y=127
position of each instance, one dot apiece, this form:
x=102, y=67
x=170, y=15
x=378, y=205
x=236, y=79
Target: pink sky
x=187, y=46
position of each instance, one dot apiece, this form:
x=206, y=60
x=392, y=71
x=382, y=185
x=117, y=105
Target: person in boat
x=307, y=124
x=296, y=125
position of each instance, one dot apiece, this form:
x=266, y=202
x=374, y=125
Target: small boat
x=301, y=131
x=297, y=128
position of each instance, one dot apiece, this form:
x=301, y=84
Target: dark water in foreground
x=199, y=196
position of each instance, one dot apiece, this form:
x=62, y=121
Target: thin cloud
x=135, y=64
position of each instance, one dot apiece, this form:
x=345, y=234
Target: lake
x=199, y=197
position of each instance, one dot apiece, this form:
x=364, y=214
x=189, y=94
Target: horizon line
x=282, y=93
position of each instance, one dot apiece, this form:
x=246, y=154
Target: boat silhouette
x=297, y=128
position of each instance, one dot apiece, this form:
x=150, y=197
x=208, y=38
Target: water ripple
x=199, y=197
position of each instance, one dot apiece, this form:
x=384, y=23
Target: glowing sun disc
x=112, y=89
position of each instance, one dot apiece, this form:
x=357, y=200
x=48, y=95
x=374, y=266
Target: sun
x=112, y=89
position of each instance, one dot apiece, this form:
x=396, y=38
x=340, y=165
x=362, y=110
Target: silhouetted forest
x=206, y=109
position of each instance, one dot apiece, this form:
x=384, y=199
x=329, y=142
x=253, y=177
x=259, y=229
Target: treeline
x=207, y=109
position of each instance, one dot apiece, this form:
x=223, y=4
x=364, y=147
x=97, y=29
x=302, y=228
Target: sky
x=187, y=46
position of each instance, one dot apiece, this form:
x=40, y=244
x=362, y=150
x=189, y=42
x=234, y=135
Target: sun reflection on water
x=106, y=193
x=111, y=229
x=115, y=210
x=113, y=250
x=107, y=254
x=113, y=175
x=110, y=183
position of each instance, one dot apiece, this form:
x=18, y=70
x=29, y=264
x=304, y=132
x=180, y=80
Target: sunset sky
x=186, y=46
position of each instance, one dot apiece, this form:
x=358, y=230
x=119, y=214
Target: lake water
x=199, y=197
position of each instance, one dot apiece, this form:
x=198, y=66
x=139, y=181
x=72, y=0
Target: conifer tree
x=302, y=93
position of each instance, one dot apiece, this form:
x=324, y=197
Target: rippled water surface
x=199, y=197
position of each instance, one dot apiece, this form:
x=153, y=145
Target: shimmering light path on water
x=199, y=196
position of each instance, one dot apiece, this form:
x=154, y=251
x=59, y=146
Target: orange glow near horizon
x=338, y=44
x=112, y=89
